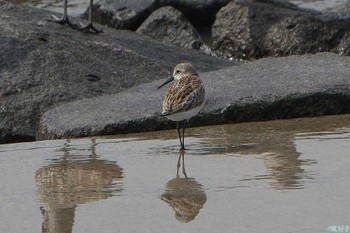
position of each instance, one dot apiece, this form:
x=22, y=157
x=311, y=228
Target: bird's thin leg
x=183, y=134
x=90, y=26
x=179, y=133
x=64, y=20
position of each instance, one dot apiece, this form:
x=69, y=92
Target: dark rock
x=129, y=14
x=124, y=14
x=169, y=25
x=269, y=88
x=44, y=64
x=259, y=28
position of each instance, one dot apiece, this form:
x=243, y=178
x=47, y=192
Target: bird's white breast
x=179, y=116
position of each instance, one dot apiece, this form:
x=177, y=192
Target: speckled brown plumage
x=183, y=95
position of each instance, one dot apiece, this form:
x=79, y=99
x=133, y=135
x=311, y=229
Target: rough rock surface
x=44, y=64
x=129, y=14
x=269, y=88
x=170, y=26
x=258, y=28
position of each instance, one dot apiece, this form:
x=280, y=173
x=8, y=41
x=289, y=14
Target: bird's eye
x=177, y=71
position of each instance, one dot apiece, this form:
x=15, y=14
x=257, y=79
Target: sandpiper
x=65, y=19
x=185, y=98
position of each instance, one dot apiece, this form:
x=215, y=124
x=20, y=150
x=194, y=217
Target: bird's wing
x=184, y=95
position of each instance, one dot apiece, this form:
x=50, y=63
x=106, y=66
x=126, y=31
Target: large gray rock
x=44, y=64
x=269, y=88
x=129, y=14
x=170, y=26
x=249, y=29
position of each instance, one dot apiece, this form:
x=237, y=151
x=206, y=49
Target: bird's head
x=184, y=69
x=181, y=70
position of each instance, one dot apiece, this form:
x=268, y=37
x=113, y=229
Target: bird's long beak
x=171, y=78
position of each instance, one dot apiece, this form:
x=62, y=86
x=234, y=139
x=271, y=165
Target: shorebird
x=65, y=19
x=185, y=98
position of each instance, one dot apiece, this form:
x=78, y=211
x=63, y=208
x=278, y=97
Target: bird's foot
x=64, y=20
x=89, y=27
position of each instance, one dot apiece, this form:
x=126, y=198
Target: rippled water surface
x=277, y=176
x=77, y=7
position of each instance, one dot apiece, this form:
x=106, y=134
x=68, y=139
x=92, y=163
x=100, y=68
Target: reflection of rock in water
x=63, y=185
x=285, y=171
x=186, y=197
x=274, y=140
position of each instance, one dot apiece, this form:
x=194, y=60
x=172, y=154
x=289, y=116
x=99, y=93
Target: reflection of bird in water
x=181, y=156
x=72, y=181
x=65, y=19
x=184, y=195
x=185, y=98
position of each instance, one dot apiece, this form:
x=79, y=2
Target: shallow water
x=78, y=7
x=276, y=176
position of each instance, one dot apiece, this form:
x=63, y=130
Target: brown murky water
x=276, y=176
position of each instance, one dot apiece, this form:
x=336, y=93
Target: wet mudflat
x=276, y=176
